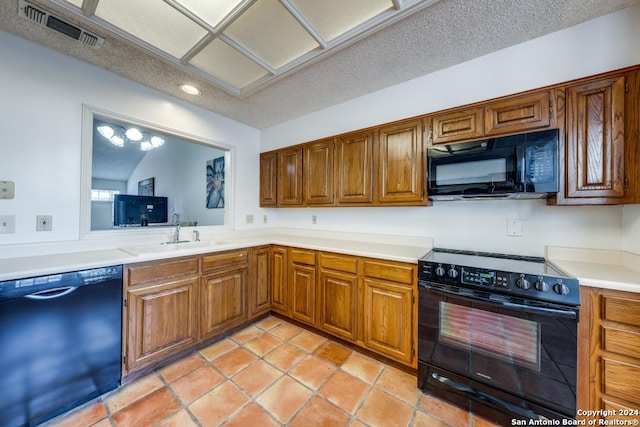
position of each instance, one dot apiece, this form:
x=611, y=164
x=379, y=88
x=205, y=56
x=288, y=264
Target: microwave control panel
x=541, y=167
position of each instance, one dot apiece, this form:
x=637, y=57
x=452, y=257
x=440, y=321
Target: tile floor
x=271, y=373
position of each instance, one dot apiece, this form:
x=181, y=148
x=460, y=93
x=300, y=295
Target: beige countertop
x=608, y=269
x=395, y=248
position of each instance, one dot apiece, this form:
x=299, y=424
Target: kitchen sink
x=183, y=245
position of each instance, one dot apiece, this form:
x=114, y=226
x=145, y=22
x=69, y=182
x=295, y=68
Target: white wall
x=40, y=135
x=604, y=44
x=631, y=229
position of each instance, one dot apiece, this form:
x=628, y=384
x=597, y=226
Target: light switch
x=7, y=190
x=514, y=227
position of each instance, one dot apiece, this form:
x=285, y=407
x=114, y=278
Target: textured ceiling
x=441, y=35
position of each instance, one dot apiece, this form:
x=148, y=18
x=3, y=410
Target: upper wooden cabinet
x=457, y=125
x=515, y=114
x=354, y=160
x=289, y=178
x=401, y=167
x=318, y=173
x=519, y=114
x=597, y=119
x=268, y=178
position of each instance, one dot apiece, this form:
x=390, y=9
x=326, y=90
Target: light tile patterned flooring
x=271, y=373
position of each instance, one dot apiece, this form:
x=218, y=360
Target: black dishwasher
x=60, y=342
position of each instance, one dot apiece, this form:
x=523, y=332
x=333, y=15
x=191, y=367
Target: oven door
x=522, y=350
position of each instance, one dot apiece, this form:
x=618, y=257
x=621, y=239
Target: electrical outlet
x=314, y=219
x=7, y=190
x=7, y=224
x=44, y=223
x=514, y=228
x=249, y=219
x=264, y=219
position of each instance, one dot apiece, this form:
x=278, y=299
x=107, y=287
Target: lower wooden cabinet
x=224, y=301
x=609, y=350
x=260, y=273
x=302, y=285
x=338, y=295
x=161, y=313
x=279, y=280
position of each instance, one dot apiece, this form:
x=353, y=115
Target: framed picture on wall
x=215, y=183
x=145, y=187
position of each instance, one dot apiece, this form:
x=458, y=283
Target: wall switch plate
x=514, y=228
x=7, y=224
x=7, y=190
x=249, y=219
x=264, y=219
x=44, y=223
x=314, y=219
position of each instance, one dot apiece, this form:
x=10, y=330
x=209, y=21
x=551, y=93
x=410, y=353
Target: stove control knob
x=440, y=271
x=541, y=285
x=523, y=283
x=560, y=289
x=452, y=273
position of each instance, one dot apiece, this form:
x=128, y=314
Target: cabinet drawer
x=389, y=271
x=301, y=256
x=621, y=380
x=621, y=342
x=623, y=310
x=225, y=260
x=344, y=263
x=161, y=270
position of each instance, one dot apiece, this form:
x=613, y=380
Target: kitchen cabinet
x=161, y=310
x=354, y=168
x=338, y=295
x=519, y=114
x=609, y=350
x=319, y=173
x=510, y=115
x=260, y=291
x=223, y=291
x=302, y=285
x=268, y=179
x=289, y=177
x=389, y=310
x=460, y=124
x=600, y=130
x=401, y=165
x=279, y=280
x=594, y=140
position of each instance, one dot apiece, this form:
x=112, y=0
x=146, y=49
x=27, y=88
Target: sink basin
x=167, y=247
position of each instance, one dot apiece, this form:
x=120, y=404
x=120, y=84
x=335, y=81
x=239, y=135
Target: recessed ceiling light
x=191, y=90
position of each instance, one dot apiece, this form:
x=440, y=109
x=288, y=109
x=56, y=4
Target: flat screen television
x=129, y=210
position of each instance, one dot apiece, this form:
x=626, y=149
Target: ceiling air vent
x=42, y=17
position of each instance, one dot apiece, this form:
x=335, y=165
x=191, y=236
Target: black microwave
x=521, y=166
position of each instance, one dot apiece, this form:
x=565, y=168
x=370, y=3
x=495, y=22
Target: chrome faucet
x=196, y=235
x=176, y=234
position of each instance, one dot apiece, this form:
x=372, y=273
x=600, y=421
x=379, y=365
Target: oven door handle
x=569, y=314
x=485, y=397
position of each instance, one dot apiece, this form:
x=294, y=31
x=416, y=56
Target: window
x=103, y=195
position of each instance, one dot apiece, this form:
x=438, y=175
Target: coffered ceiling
x=263, y=62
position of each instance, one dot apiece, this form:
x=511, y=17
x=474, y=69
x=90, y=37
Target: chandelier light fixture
x=119, y=136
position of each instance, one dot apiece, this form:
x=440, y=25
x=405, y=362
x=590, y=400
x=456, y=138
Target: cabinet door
x=268, y=178
x=279, y=280
x=594, y=139
x=289, y=186
x=519, y=114
x=400, y=163
x=162, y=319
x=223, y=300
x=457, y=125
x=388, y=314
x=337, y=303
x=318, y=173
x=302, y=281
x=260, y=289
x=354, y=168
